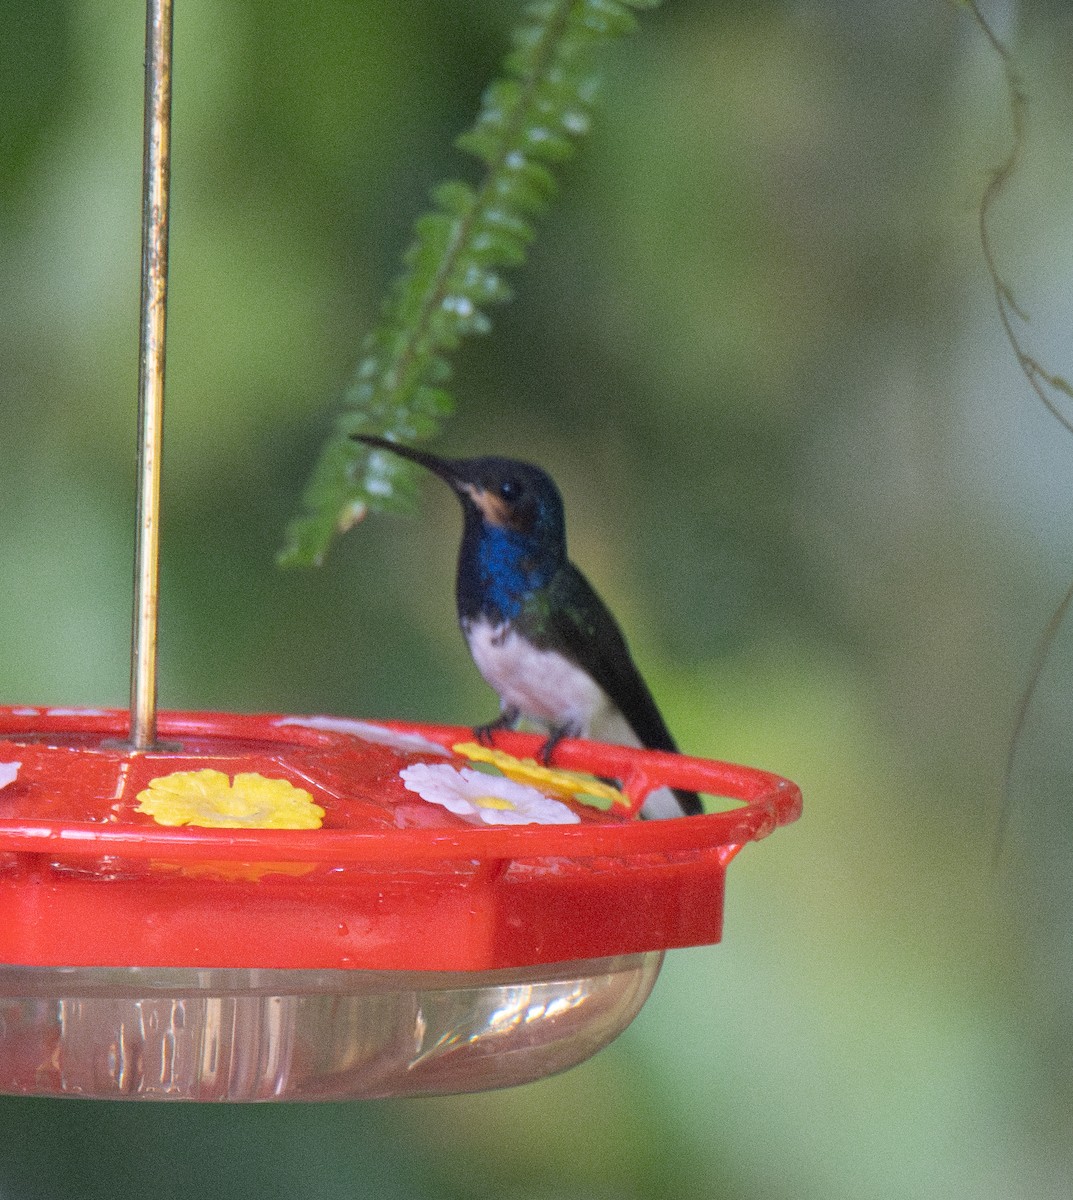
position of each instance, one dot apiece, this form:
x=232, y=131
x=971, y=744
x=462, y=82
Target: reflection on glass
x=326, y=1035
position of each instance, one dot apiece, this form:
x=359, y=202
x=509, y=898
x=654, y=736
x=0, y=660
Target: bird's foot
x=506, y=720
x=554, y=738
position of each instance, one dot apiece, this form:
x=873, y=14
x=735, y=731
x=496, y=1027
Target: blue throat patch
x=509, y=571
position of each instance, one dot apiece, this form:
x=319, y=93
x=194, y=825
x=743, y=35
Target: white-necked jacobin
x=538, y=632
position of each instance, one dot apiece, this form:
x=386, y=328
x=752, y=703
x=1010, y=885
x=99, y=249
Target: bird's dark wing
x=583, y=627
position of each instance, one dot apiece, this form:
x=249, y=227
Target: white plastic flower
x=484, y=798
x=407, y=743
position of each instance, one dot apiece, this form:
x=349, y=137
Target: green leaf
x=529, y=121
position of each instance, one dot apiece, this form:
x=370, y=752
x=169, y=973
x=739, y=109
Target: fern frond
x=529, y=121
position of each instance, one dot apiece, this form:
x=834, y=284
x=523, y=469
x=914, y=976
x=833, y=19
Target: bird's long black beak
x=441, y=467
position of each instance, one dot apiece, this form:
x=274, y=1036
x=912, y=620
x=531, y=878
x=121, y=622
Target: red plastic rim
x=123, y=891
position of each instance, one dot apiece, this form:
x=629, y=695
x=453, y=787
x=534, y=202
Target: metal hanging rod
x=156, y=171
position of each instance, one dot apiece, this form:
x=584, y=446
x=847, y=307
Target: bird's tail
x=664, y=802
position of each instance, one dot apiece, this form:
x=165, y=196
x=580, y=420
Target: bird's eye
x=510, y=489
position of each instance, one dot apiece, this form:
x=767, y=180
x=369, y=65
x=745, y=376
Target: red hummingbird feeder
x=207, y=906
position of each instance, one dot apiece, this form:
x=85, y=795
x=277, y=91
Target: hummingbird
x=537, y=630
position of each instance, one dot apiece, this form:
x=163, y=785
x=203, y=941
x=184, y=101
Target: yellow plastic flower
x=567, y=784
x=209, y=798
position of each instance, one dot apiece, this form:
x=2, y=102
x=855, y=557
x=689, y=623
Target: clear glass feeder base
x=246, y=1035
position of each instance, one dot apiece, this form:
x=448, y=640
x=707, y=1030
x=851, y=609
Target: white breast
x=541, y=684
x=551, y=691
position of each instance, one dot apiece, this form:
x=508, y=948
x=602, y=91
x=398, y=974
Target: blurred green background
x=757, y=347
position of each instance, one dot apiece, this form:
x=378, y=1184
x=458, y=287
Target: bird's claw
x=553, y=739
x=485, y=733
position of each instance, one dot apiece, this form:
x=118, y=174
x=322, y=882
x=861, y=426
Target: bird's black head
x=497, y=493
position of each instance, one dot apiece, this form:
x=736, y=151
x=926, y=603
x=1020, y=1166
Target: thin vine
x=1039, y=378
x=1043, y=382
x=529, y=120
